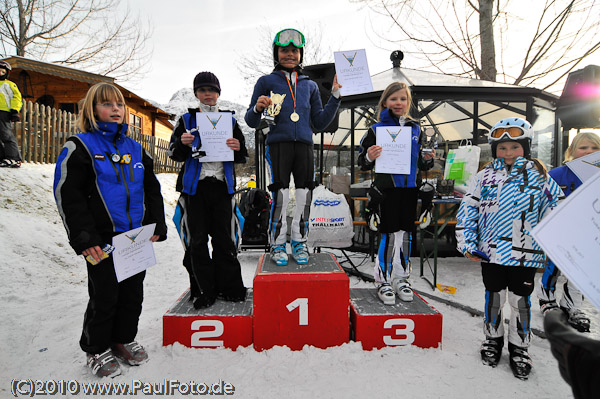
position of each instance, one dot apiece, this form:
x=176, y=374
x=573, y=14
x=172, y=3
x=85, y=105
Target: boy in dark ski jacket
x=207, y=197
x=289, y=140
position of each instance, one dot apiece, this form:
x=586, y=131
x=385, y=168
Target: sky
x=190, y=37
x=193, y=36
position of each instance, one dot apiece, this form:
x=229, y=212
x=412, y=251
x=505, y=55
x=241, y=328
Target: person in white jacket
x=504, y=202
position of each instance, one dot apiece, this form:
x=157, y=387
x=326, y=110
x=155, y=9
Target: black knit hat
x=206, y=79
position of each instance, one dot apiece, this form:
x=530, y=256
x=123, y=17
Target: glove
x=578, y=356
x=372, y=209
x=14, y=115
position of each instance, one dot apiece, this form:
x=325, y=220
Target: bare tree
x=527, y=43
x=259, y=61
x=95, y=35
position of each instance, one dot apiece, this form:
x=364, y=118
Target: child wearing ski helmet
x=504, y=202
x=399, y=195
x=207, y=196
x=289, y=140
x=583, y=144
x=10, y=105
x=104, y=185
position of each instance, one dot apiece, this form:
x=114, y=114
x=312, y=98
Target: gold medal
x=294, y=117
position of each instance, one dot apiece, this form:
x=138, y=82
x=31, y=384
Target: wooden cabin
x=62, y=87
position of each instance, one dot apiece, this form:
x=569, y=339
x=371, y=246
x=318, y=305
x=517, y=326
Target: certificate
x=570, y=236
x=395, y=143
x=133, y=251
x=585, y=167
x=353, y=72
x=214, y=129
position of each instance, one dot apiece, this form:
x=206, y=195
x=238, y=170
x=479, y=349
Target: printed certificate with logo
x=133, y=251
x=395, y=142
x=214, y=129
x=570, y=236
x=352, y=72
x=585, y=167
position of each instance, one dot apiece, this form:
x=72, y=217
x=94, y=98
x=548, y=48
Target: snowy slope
x=43, y=295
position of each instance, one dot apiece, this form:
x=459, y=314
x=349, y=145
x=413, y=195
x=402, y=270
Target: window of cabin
x=69, y=107
x=135, y=123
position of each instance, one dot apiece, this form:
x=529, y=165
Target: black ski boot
x=578, y=320
x=546, y=306
x=520, y=362
x=491, y=350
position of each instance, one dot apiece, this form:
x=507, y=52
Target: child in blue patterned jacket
x=504, y=202
x=289, y=140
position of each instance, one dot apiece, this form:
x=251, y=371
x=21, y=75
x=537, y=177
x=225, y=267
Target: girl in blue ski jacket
x=504, y=202
x=104, y=185
x=572, y=299
x=289, y=141
x=398, y=192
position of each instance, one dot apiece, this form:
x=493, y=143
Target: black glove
x=14, y=115
x=578, y=356
x=372, y=209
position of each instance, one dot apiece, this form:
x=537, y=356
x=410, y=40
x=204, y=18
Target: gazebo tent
x=456, y=108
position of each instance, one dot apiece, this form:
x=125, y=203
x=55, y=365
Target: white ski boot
x=279, y=255
x=299, y=252
x=385, y=292
x=403, y=290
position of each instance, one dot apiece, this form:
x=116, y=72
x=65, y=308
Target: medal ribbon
x=293, y=93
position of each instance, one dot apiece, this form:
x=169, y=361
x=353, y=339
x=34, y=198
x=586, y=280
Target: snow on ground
x=43, y=295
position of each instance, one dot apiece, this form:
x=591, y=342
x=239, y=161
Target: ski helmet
x=512, y=129
x=6, y=65
x=285, y=38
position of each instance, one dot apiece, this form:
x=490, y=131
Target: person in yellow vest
x=252, y=182
x=10, y=105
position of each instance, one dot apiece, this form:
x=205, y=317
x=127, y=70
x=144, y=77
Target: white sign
x=570, y=236
x=353, y=72
x=585, y=167
x=133, y=251
x=214, y=129
x=395, y=142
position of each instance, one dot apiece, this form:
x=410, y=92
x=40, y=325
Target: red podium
x=297, y=305
x=376, y=325
x=224, y=324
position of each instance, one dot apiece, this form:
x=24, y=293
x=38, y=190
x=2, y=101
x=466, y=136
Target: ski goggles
x=289, y=36
x=506, y=132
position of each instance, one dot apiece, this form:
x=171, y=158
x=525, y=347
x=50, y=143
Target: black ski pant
x=113, y=310
x=210, y=213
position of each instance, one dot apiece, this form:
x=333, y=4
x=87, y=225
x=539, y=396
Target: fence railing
x=43, y=131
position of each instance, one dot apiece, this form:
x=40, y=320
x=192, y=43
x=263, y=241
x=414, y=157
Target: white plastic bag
x=330, y=223
x=462, y=164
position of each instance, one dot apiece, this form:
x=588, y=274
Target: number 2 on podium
x=302, y=304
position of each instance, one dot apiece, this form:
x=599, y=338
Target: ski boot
x=546, y=306
x=402, y=289
x=279, y=255
x=103, y=364
x=520, y=362
x=132, y=353
x=385, y=292
x=491, y=351
x=578, y=320
x=299, y=252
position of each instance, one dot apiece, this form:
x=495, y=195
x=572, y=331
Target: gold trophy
x=273, y=110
